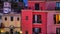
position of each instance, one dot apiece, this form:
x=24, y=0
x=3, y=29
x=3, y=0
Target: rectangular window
x=57, y=19
x=1, y=4
x=26, y=32
x=57, y=6
x=54, y=19
x=11, y=18
x=20, y=0
x=37, y=19
x=36, y=6
x=0, y=17
x=57, y=30
x=26, y=17
x=36, y=30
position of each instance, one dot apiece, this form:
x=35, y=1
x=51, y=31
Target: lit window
x=57, y=19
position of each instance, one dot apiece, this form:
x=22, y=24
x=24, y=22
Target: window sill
x=58, y=24
x=37, y=23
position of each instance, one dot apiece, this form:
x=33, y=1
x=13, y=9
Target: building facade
x=41, y=18
x=34, y=21
x=12, y=22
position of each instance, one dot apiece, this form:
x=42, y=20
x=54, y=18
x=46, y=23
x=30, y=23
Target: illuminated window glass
x=57, y=19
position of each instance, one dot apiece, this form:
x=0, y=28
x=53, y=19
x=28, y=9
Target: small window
x=26, y=32
x=20, y=0
x=26, y=17
x=18, y=19
x=5, y=18
x=11, y=18
x=36, y=6
x=0, y=17
x=57, y=6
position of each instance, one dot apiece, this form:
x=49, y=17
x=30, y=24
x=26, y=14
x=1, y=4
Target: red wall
x=42, y=4
x=26, y=24
x=43, y=26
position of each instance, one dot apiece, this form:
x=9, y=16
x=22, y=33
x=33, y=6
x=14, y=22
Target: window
x=57, y=30
x=18, y=19
x=57, y=19
x=37, y=19
x=11, y=18
x=26, y=32
x=36, y=30
x=0, y=17
x=5, y=18
x=1, y=4
x=26, y=17
x=14, y=5
x=36, y=6
x=20, y=0
x=57, y=6
x=54, y=19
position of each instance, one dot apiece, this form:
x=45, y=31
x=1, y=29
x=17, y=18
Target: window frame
x=36, y=19
x=37, y=6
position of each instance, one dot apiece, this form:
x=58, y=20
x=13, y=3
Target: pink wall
x=50, y=5
x=26, y=24
x=51, y=27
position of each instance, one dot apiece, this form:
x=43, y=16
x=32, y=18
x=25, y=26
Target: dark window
x=5, y=18
x=36, y=6
x=20, y=0
x=14, y=5
x=1, y=5
x=57, y=30
x=18, y=19
x=11, y=18
x=36, y=30
x=26, y=32
x=54, y=19
x=0, y=17
x=11, y=31
x=57, y=6
x=37, y=19
x=26, y=17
